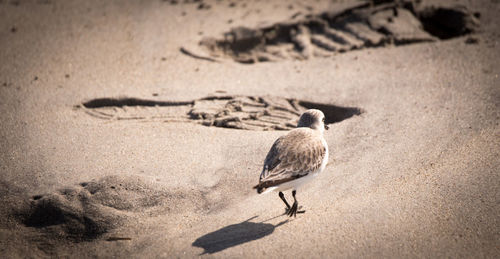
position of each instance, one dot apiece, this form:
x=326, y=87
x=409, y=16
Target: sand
x=137, y=129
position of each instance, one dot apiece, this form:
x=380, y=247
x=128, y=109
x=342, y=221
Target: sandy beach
x=138, y=128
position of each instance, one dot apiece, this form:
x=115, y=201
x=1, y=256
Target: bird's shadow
x=235, y=234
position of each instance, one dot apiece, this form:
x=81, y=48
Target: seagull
x=295, y=158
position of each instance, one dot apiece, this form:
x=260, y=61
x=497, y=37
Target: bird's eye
x=323, y=119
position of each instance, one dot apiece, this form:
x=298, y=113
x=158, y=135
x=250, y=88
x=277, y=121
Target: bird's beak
x=326, y=127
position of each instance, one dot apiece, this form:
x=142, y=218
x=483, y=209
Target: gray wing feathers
x=292, y=156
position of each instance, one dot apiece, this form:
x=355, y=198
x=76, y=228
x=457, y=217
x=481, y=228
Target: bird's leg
x=282, y=196
x=293, y=210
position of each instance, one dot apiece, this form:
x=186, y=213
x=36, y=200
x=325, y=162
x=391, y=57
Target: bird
x=295, y=158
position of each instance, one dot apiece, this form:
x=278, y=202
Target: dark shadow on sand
x=234, y=235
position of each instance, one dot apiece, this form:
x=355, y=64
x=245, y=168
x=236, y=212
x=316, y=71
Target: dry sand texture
x=137, y=128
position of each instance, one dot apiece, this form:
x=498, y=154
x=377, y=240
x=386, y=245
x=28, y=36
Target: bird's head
x=314, y=119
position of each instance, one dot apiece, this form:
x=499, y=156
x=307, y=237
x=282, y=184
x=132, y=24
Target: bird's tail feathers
x=259, y=188
x=263, y=189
